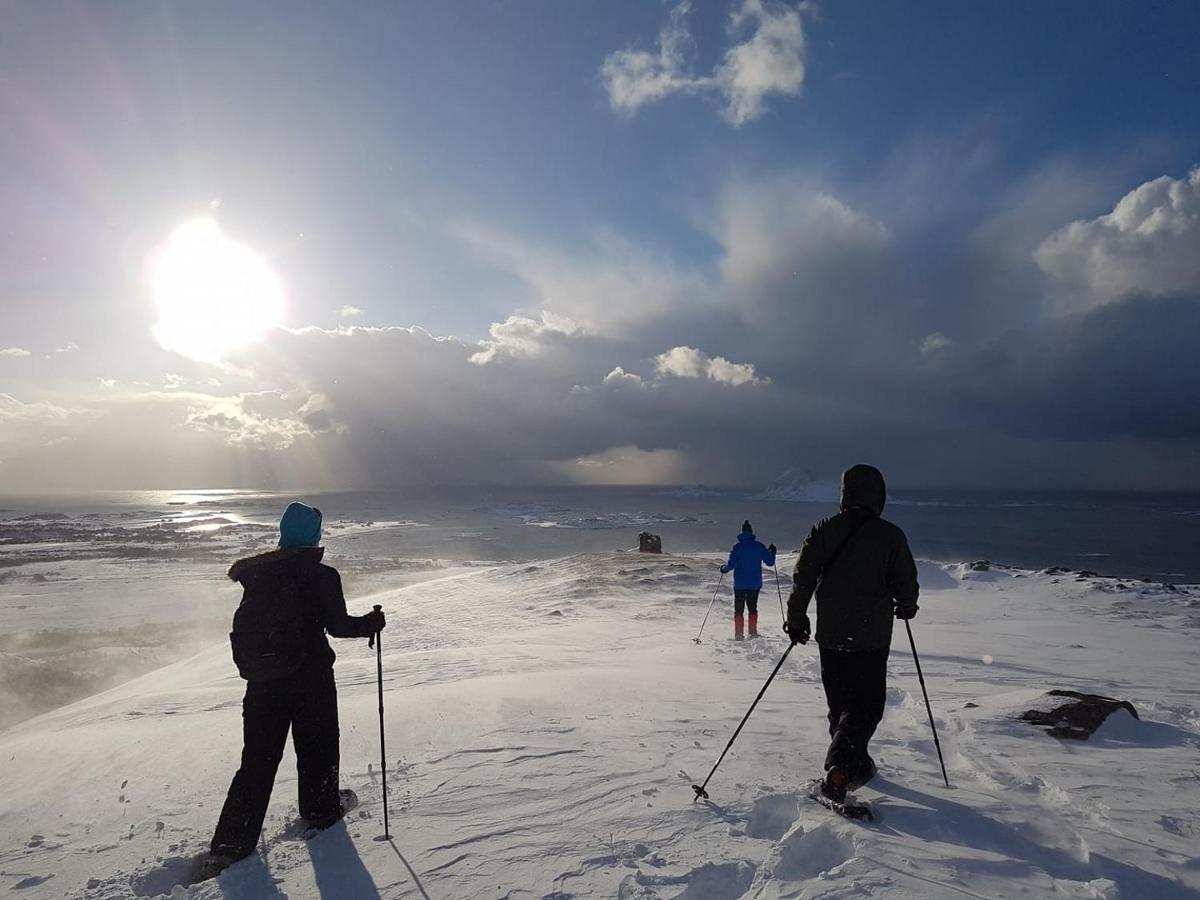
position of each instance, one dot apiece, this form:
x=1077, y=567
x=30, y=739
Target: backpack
x=268, y=639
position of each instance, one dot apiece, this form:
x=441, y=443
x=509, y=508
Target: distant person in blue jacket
x=746, y=560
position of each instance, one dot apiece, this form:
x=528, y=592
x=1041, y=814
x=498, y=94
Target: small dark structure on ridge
x=649, y=543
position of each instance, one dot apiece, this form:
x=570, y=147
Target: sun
x=213, y=294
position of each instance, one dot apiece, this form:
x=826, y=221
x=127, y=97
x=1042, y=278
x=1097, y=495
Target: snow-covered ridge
x=546, y=719
x=798, y=486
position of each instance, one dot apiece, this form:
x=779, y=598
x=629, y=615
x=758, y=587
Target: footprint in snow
x=706, y=882
x=806, y=854
x=772, y=816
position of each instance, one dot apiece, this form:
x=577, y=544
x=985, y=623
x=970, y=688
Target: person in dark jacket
x=864, y=577
x=746, y=560
x=304, y=701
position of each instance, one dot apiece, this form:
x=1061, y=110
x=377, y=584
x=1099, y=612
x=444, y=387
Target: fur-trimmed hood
x=248, y=566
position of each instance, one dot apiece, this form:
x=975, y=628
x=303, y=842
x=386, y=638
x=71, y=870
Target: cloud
x=634, y=78
x=611, y=286
x=519, y=337
x=618, y=378
x=69, y=348
x=769, y=61
x=688, y=362
x=350, y=312
x=14, y=352
x=873, y=334
x=1149, y=244
x=934, y=343
x=626, y=465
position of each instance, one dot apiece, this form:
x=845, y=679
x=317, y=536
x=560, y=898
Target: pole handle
x=371, y=639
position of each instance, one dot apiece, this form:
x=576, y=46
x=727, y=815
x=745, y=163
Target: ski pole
x=376, y=641
x=696, y=639
x=779, y=591
x=700, y=788
x=928, y=708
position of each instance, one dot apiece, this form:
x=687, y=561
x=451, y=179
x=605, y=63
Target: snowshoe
x=848, y=807
x=208, y=865
x=313, y=827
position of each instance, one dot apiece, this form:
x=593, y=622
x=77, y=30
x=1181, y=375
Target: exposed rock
x=1078, y=717
x=649, y=543
x=981, y=565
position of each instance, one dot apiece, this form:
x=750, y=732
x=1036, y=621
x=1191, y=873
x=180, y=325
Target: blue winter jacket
x=746, y=559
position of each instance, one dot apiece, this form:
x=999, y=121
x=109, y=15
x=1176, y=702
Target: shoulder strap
x=842, y=546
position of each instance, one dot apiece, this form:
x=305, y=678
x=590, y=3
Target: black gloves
x=906, y=612
x=724, y=569
x=375, y=621
x=800, y=631
x=771, y=548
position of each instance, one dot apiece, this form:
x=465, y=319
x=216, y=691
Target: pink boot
x=738, y=625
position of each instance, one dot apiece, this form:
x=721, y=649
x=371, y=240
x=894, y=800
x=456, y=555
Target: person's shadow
x=337, y=867
x=941, y=819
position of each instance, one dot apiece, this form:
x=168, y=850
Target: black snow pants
x=745, y=598
x=856, y=690
x=307, y=704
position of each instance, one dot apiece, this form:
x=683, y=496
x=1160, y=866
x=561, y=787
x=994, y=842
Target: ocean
x=1132, y=536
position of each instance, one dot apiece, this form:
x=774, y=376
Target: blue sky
x=571, y=189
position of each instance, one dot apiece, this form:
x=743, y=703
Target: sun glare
x=213, y=294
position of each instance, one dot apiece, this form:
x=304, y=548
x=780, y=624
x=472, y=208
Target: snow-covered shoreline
x=546, y=718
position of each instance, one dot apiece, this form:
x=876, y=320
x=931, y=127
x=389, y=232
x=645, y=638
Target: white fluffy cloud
x=636, y=77
x=770, y=60
x=618, y=377
x=1149, y=243
x=688, y=362
x=14, y=352
x=520, y=337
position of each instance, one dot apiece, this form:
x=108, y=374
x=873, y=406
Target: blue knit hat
x=300, y=526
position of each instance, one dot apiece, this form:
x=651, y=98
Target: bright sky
x=318, y=244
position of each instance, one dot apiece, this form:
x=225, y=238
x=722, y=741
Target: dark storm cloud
x=821, y=334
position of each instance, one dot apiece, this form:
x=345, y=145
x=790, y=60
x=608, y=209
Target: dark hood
x=253, y=567
x=863, y=486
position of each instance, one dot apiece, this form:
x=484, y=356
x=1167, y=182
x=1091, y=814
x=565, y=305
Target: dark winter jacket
x=746, y=560
x=315, y=589
x=872, y=576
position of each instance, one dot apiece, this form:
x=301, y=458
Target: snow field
x=546, y=721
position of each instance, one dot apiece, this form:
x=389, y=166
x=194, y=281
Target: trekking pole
x=779, y=591
x=700, y=788
x=696, y=639
x=376, y=641
x=928, y=708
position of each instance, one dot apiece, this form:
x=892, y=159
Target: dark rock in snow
x=649, y=543
x=1078, y=717
x=981, y=565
